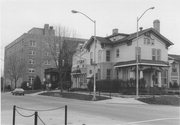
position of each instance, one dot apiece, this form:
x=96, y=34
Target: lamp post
x=94, y=89
x=137, y=53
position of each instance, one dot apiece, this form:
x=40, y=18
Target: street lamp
x=137, y=51
x=94, y=89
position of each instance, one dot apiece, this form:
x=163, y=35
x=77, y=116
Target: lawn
x=71, y=95
x=31, y=91
x=162, y=100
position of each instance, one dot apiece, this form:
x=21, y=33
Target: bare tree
x=61, y=52
x=15, y=68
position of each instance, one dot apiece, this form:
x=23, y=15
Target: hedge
x=116, y=85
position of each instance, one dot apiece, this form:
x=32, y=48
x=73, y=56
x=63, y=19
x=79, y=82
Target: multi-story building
x=34, y=48
x=174, y=70
x=115, y=56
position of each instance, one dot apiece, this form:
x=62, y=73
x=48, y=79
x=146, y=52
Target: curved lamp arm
x=145, y=12
x=74, y=11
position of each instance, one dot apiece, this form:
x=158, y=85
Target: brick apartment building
x=33, y=47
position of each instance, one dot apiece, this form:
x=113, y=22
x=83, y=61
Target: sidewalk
x=120, y=100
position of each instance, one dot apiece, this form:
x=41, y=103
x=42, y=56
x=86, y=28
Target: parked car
x=18, y=91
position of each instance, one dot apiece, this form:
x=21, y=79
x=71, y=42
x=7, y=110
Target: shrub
x=117, y=85
x=174, y=85
x=79, y=89
x=37, y=83
x=67, y=85
x=24, y=85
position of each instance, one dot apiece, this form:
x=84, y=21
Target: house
x=38, y=48
x=115, y=56
x=174, y=70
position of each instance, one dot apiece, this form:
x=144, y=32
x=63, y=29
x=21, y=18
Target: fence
x=35, y=114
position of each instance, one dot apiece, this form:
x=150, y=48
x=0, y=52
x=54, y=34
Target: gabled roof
x=100, y=39
x=113, y=35
x=175, y=57
x=152, y=30
x=127, y=38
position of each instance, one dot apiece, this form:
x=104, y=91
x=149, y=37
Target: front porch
x=154, y=74
x=79, y=79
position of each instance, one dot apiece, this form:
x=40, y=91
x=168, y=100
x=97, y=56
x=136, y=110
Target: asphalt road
x=89, y=112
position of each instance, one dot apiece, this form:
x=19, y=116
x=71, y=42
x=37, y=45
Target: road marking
x=152, y=120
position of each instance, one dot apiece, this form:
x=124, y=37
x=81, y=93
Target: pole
x=65, y=114
x=137, y=53
x=14, y=114
x=35, y=118
x=94, y=88
x=137, y=61
x=94, y=95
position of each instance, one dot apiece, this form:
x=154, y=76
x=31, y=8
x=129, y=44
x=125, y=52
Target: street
x=85, y=112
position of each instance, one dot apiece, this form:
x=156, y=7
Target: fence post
x=35, y=118
x=14, y=114
x=65, y=114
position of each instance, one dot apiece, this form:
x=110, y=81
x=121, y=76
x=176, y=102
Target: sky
x=19, y=16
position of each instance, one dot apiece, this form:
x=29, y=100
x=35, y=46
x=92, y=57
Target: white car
x=18, y=91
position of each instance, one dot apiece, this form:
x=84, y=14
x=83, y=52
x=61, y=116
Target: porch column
x=141, y=74
x=77, y=82
x=151, y=79
x=159, y=79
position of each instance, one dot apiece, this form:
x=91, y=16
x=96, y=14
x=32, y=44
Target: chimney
x=141, y=28
x=51, y=31
x=51, y=27
x=46, y=28
x=115, y=31
x=156, y=25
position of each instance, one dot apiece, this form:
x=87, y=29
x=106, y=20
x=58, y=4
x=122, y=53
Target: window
x=32, y=43
x=31, y=79
x=90, y=71
x=152, y=42
x=108, y=73
x=138, y=53
x=31, y=52
x=153, y=54
x=99, y=55
x=117, y=53
x=31, y=70
x=158, y=54
x=57, y=46
x=31, y=61
x=174, y=69
x=91, y=57
x=148, y=41
x=46, y=53
x=47, y=62
x=107, y=55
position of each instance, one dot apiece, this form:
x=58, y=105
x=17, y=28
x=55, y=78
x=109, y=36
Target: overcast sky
x=19, y=16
